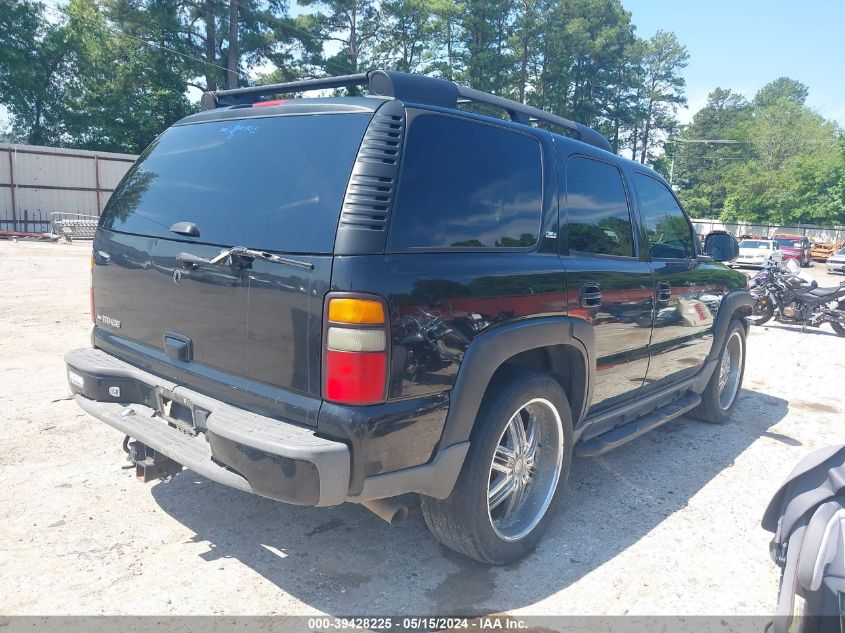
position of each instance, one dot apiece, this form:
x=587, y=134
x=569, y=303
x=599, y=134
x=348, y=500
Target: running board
x=627, y=432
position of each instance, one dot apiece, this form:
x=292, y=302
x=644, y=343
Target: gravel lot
x=668, y=524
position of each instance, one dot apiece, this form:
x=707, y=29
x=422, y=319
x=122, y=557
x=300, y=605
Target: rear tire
x=481, y=518
x=722, y=392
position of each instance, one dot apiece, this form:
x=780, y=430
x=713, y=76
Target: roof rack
x=407, y=87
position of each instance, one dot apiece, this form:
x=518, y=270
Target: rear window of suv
x=275, y=183
x=466, y=184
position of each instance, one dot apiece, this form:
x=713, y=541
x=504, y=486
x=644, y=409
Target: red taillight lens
x=356, y=350
x=355, y=377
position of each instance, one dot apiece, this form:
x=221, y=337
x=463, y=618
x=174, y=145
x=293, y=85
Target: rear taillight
x=91, y=289
x=356, y=342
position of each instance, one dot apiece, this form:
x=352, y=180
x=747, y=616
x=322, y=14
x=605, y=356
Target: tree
x=527, y=36
x=796, y=169
x=444, y=44
x=353, y=24
x=125, y=90
x=663, y=61
x=625, y=88
x=404, y=36
x=35, y=60
x=783, y=126
x=781, y=89
x=487, y=57
x=228, y=38
x=700, y=167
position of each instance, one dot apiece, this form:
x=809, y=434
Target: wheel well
x=564, y=363
x=742, y=312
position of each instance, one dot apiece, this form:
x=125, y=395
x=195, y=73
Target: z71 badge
x=107, y=320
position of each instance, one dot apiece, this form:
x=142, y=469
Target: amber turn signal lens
x=355, y=311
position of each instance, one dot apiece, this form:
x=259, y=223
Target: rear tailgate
x=253, y=326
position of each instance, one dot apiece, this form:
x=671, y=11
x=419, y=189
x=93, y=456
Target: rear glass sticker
x=238, y=127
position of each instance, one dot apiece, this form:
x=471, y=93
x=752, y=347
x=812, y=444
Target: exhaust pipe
x=388, y=509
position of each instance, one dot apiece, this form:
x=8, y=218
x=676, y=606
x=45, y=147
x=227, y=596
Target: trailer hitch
x=148, y=463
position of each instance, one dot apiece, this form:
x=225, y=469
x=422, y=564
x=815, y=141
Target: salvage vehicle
x=353, y=298
x=758, y=253
x=795, y=247
x=836, y=262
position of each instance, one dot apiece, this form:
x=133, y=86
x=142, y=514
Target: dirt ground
x=668, y=524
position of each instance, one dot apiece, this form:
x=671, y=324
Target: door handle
x=664, y=291
x=589, y=295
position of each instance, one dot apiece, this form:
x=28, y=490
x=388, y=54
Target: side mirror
x=722, y=247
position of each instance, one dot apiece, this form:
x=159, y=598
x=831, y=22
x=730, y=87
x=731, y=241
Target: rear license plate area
x=176, y=410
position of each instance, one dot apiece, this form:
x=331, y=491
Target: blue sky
x=744, y=44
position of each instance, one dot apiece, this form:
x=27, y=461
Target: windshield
x=788, y=242
x=754, y=244
x=274, y=183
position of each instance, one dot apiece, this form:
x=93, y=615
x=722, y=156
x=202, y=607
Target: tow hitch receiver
x=148, y=464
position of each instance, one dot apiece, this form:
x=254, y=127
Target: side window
x=598, y=220
x=467, y=184
x=669, y=232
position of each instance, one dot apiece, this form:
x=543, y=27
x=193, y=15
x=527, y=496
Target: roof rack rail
x=407, y=87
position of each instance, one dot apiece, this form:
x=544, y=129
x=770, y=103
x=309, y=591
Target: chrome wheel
x=525, y=469
x=730, y=370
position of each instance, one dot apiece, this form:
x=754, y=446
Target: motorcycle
x=807, y=517
x=769, y=281
x=790, y=299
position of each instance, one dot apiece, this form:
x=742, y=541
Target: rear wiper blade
x=240, y=251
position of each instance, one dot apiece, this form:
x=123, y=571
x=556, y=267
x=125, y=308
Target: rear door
x=608, y=284
x=271, y=183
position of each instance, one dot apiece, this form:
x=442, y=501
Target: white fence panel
x=815, y=233
x=38, y=181
x=110, y=173
x=54, y=171
x=45, y=201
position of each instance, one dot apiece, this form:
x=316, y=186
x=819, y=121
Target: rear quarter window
x=466, y=184
x=274, y=183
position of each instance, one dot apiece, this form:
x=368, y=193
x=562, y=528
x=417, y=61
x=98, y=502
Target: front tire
x=764, y=309
x=721, y=394
x=514, y=474
x=838, y=327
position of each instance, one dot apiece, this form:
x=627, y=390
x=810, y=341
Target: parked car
x=457, y=328
x=758, y=253
x=836, y=262
x=795, y=247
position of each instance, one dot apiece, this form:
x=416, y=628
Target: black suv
x=347, y=299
